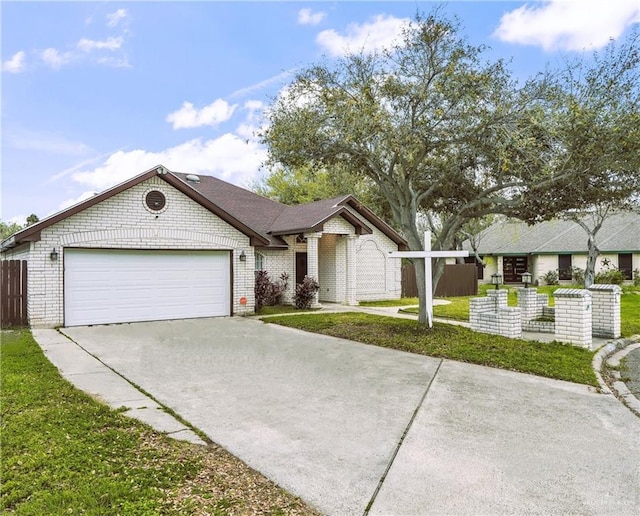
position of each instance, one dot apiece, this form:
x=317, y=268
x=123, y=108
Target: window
x=259, y=262
x=625, y=265
x=564, y=266
x=155, y=200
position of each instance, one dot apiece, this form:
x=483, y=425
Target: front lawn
x=553, y=360
x=283, y=309
x=65, y=453
x=404, y=301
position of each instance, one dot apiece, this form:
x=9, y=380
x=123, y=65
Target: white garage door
x=112, y=286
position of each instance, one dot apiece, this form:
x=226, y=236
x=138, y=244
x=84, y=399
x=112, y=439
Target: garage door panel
x=109, y=286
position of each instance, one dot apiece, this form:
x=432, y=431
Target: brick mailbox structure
x=605, y=310
x=573, y=316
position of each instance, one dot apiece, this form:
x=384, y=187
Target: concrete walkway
x=356, y=429
x=92, y=376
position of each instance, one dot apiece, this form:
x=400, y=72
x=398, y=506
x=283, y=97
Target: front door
x=513, y=267
x=301, y=267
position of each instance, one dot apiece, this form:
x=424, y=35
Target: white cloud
x=74, y=200
x=228, y=157
x=17, y=219
x=381, y=32
x=568, y=24
x=15, y=64
x=279, y=78
x=114, y=62
x=55, y=59
x=114, y=18
x=215, y=113
x=46, y=142
x=88, y=45
x=308, y=17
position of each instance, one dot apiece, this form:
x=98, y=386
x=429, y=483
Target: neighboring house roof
x=620, y=232
x=260, y=218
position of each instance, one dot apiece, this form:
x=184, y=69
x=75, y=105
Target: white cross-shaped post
x=427, y=255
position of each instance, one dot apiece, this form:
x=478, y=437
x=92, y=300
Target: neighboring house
x=512, y=248
x=165, y=245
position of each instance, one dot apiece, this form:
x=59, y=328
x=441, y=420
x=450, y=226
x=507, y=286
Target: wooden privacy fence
x=457, y=280
x=13, y=293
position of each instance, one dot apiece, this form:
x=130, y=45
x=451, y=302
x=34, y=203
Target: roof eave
x=256, y=237
x=33, y=232
x=376, y=221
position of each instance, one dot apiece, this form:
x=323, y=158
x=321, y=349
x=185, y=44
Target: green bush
x=577, y=276
x=611, y=276
x=636, y=277
x=550, y=278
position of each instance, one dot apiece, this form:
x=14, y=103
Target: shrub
x=609, y=274
x=612, y=276
x=305, y=292
x=269, y=293
x=636, y=277
x=550, y=278
x=577, y=275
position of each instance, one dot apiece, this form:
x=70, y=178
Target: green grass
x=405, y=301
x=630, y=312
x=283, y=309
x=552, y=360
x=65, y=453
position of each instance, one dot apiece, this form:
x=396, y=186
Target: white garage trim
x=116, y=285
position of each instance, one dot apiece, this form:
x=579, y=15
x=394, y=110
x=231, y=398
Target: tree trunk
x=422, y=297
x=438, y=271
x=594, y=252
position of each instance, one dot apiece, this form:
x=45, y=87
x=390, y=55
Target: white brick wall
x=573, y=316
x=378, y=276
x=492, y=315
x=606, y=318
x=124, y=222
x=388, y=282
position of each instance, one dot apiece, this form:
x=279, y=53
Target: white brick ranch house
x=512, y=247
x=166, y=245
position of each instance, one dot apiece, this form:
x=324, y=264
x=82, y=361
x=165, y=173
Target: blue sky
x=96, y=92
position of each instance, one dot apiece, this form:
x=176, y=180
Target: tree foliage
x=304, y=184
x=435, y=127
x=9, y=228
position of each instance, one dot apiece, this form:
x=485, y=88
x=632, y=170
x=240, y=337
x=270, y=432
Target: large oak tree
x=432, y=124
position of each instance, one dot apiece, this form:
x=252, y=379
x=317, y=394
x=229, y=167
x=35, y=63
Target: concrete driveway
x=350, y=427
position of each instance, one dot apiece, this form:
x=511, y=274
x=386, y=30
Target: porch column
x=352, y=284
x=312, y=262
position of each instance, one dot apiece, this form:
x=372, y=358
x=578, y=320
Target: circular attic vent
x=155, y=200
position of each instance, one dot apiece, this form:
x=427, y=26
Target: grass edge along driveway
x=551, y=360
x=65, y=453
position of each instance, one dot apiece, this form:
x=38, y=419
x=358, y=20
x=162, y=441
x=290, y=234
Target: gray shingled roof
x=271, y=218
x=619, y=233
x=254, y=210
x=262, y=219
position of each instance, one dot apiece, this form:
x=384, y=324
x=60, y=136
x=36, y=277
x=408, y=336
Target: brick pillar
x=352, y=284
x=573, y=316
x=499, y=297
x=312, y=261
x=606, y=310
x=528, y=304
x=510, y=322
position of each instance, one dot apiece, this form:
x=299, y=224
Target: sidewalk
x=89, y=374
